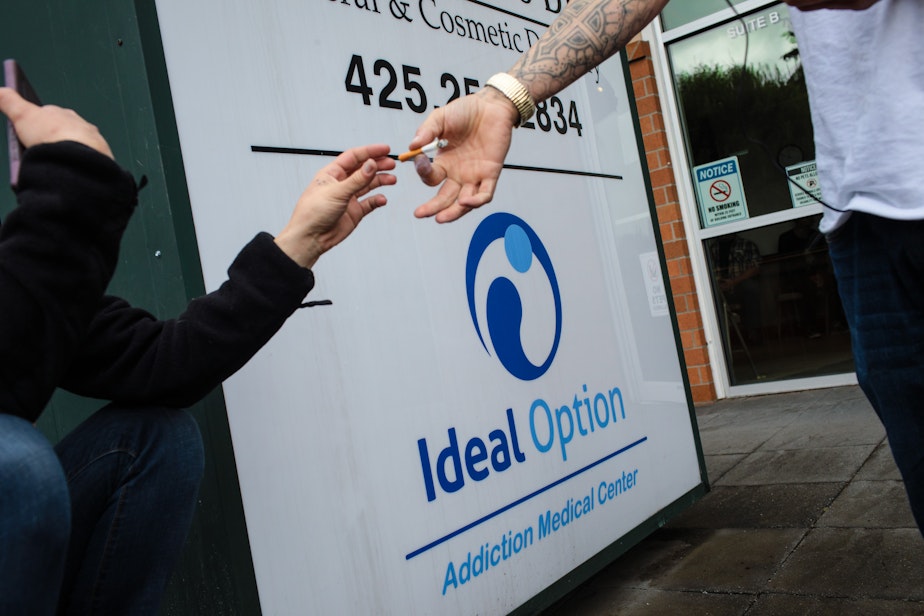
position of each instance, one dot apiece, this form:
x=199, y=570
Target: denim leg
x=34, y=520
x=879, y=265
x=133, y=476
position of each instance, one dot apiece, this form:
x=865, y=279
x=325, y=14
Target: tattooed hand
x=479, y=126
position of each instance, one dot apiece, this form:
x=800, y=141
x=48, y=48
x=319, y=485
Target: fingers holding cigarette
x=429, y=150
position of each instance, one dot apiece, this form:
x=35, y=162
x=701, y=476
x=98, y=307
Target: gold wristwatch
x=510, y=86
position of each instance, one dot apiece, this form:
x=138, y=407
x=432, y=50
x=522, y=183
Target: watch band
x=510, y=86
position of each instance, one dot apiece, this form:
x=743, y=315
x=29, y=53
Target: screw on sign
x=720, y=191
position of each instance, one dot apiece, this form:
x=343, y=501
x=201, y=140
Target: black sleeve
x=58, y=250
x=131, y=357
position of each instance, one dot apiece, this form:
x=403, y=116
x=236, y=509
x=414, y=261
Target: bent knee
x=188, y=438
x=163, y=441
x=32, y=481
x=176, y=435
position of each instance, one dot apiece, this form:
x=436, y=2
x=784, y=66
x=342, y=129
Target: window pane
x=779, y=313
x=680, y=12
x=756, y=112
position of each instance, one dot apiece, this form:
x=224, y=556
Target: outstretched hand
x=36, y=124
x=333, y=205
x=478, y=128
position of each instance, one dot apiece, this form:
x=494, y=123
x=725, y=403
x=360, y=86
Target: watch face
x=789, y=155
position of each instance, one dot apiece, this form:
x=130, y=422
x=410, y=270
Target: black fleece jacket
x=58, y=251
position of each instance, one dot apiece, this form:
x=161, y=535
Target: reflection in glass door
x=779, y=314
x=747, y=130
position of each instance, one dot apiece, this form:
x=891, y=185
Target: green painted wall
x=104, y=59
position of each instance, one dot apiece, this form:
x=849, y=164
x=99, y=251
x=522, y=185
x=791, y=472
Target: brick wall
x=673, y=234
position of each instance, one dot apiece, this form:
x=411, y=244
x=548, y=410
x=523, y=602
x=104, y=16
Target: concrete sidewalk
x=807, y=515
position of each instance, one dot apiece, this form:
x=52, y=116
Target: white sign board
x=487, y=404
x=804, y=187
x=721, y=196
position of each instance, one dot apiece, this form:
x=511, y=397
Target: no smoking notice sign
x=721, y=196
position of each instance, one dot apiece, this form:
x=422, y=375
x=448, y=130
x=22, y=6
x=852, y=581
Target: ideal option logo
x=504, y=305
x=551, y=426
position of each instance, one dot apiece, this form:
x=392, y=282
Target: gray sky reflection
x=724, y=45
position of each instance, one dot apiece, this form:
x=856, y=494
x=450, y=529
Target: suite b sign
x=487, y=405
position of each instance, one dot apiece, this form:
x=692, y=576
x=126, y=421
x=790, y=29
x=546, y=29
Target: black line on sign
x=266, y=149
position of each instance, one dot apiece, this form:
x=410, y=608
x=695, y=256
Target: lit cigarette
x=428, y=149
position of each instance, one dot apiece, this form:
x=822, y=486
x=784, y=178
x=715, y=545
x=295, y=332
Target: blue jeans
x=96, y=524
x=879, y=266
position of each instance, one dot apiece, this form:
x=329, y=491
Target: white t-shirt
x=865, y=76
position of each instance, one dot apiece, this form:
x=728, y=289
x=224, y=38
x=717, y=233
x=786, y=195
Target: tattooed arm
x=479, y=126
x=584, y=35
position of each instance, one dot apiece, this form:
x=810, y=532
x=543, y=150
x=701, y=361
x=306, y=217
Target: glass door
x=747, y=132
